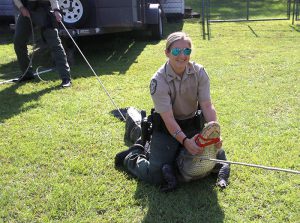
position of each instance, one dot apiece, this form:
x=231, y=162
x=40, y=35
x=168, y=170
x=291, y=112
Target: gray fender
x=152, y=14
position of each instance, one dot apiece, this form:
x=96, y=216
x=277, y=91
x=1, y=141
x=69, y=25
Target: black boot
x=119, y=158
x=66, y=82
x=223, y=176
x=170, y=178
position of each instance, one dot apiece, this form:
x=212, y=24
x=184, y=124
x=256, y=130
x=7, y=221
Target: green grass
x=57, y=146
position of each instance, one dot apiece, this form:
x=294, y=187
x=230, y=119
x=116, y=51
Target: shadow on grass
x=12, y=102
x=112, y=53
x=252, y=30
x=109, y=54
x=196, y=201
x=41, y=59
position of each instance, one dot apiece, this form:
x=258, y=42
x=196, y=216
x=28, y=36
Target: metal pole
x=248, y=5
x=253, y=165
x=293, y=17
x=297, y=10
x=208, y=18
x=288, y=10
x=203, y=19
x=14, y=80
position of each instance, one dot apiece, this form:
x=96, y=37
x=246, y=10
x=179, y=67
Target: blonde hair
x=173, y=37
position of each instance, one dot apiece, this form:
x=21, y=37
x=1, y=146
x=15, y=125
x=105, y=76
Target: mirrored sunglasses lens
x=187, y=51
x=175, y=51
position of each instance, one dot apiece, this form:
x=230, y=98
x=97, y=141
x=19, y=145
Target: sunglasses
x=176, y=51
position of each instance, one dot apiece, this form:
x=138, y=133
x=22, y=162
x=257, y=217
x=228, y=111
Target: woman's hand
x=58, y=16
x=192, y=147
x=24, y=12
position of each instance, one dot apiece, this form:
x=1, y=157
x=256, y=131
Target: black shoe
x=26, y=77
x=223, y=176
x=119, y=158
x=139, y=141
x=170, y=178
x=66, y=82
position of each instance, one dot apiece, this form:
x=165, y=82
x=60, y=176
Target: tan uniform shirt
x=54, y=3
x=182, y=95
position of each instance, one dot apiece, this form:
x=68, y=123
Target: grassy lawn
x=57, y=146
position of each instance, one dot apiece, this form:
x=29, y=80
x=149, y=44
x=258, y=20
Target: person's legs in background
x=21, y=38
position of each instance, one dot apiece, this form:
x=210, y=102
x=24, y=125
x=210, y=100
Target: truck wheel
x=157, y=29
x=74, y=12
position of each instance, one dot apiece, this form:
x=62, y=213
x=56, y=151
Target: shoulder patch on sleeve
x=153, y=86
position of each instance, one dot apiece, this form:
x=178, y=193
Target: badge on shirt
x=153, y=86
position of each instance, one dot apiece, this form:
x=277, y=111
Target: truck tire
x=74, y=12
x=157, y=30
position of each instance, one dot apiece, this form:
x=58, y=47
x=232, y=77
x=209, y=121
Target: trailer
x=173, y=9
x=92, y=17
x=7, y=9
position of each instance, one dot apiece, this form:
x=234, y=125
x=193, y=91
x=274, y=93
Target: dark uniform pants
x=23, y=32
x=163, y=150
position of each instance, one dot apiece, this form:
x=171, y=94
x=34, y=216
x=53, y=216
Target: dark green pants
x=40, y=18
x=163, y=150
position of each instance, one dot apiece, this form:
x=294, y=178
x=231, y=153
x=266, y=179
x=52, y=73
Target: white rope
x=93, y=71
x=252, y=165
x=37, y=72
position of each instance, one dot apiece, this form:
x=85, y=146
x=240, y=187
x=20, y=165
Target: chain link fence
x=214, y=11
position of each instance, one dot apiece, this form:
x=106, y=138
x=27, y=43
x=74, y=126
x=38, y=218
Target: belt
x=159, y=125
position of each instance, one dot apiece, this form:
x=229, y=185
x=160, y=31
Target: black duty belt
x=196, y=122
